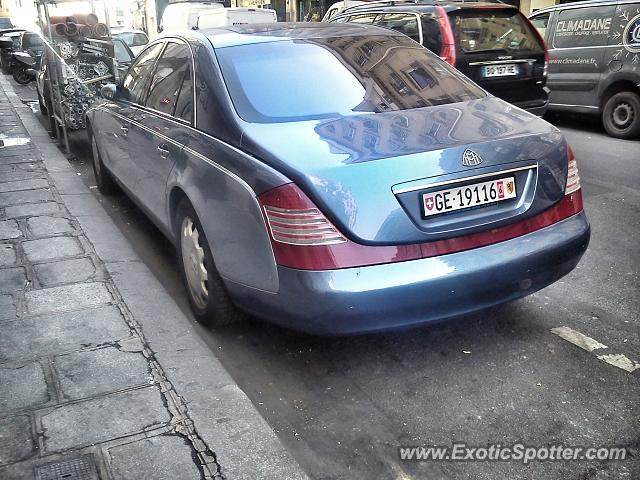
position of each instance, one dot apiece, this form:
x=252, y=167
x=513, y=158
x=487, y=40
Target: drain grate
x=82, y=468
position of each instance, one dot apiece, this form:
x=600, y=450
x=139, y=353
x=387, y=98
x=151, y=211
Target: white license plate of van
x=453, y=199
x=508, y=70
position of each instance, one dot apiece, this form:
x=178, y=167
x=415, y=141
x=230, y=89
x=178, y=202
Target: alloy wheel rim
x=193, y=262
x=622, y=115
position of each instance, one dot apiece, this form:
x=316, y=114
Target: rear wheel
x=104, y=180
x=208, y=296
x=621, y=115
x=21, y=76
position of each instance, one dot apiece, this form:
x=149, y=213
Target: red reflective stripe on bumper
x=350, y=254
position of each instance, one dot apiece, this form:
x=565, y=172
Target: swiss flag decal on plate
x=428, y=203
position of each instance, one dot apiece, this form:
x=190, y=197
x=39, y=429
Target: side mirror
x=109, y=91
x=6, y=42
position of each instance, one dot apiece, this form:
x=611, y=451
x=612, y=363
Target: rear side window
x=482, y=30
x=431, y=37
x=406, y=23
x=583, y=27
x=540, y=22
x=336, y=76
x=136, y=82
x=133, y=39
x=172, y=69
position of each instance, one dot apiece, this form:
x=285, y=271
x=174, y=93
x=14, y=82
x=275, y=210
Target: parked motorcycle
x=25, y=67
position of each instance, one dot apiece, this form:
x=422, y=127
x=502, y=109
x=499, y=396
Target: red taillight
x=328, y=249
x=448, y=50
x=295, y=220
x=573, y=177
x=301, y=236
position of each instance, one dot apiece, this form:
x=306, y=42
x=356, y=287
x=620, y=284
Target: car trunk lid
x=369, y=173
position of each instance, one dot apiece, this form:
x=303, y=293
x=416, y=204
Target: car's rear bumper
x=355, y=300
x=536, y=107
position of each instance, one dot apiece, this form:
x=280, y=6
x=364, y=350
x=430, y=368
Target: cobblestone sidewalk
x=80, y=391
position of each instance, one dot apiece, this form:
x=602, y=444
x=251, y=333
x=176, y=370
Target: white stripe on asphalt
x=578, y=339
x=620, y=361
x=589, y=344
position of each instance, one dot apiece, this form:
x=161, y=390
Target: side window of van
x=583, y=27
x=406, y=23
x=540, y=22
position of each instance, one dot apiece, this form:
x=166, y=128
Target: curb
x=245, y=446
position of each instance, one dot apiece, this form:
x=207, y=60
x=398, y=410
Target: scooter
x=25, y=67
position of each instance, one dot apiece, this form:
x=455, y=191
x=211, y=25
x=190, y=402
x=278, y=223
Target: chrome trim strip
x=570, y=105
x=504, y=62
x=463, y=179
x=222, y=169
x=187, y=149
x=554, y=48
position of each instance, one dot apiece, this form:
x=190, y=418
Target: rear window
x=481, y=30
x=327, y=78
x=133, y=39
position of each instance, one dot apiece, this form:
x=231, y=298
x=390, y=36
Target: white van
x=338, y=7
x=221, y=17
x=179, y=16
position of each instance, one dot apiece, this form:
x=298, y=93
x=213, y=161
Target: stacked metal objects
x=73, y=26
x=86, y=60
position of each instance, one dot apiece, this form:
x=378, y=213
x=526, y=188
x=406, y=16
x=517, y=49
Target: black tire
x=621, y=115
x=21, y=76
x=104, y=180
x=48, y=112
x=5, y=65
x=215, y=309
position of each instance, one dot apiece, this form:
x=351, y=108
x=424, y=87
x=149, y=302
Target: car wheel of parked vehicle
x=21, y=76
x=621, y=115
x=208, y=296
x=104, y=181
x=43, y=108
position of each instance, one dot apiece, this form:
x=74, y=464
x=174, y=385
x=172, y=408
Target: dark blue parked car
x=337, y=178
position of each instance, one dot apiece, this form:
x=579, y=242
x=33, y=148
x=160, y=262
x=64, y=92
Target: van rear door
x=499, y=49
x=577, y=49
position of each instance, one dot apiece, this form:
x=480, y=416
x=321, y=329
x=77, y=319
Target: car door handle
x=164, y=150
x=125, y=130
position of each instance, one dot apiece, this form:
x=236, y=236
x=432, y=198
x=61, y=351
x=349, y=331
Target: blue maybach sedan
x=337, y=178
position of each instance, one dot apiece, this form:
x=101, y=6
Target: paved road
x=343, y=405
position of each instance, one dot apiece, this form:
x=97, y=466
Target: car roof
x=584, y=3
x=423, y=5
x=221, y=37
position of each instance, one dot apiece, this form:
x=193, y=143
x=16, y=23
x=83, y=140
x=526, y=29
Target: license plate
x=468, y=196
x=509, y=70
